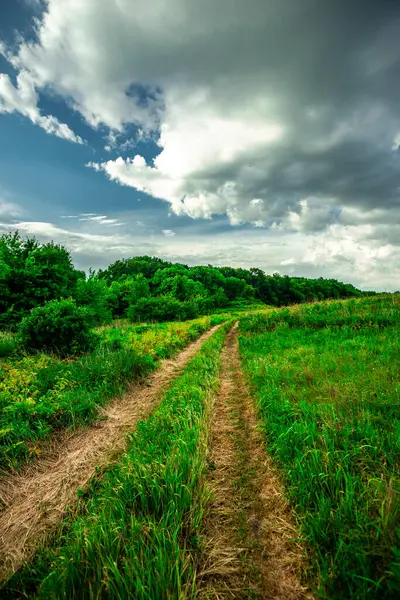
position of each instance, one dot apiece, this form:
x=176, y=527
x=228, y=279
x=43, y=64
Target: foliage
x=181, y=287
x=138, y=525
x=128, y=267
x=32, y=274
x=9, y=344
x=93, y=294
x=210, y=288
x=122, y=294
x=325, y=378
x=162, y=308
x=59, y=326
x=140, y=288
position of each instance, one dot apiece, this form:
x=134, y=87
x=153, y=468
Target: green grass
x=375, y=312
x=138, y=526
x=42, y=393
x=158, y=340
x=326, y=381
x=9, y=344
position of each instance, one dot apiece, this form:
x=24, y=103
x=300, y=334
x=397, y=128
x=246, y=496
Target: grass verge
x=137, y=527
x=328, y=395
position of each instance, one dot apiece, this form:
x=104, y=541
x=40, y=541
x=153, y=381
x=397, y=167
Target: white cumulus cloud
x=24, y=100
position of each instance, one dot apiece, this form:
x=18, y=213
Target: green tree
x=93, y=293
x=32, y=274
x=139, y=288
x=182, y=287
x=128, y=267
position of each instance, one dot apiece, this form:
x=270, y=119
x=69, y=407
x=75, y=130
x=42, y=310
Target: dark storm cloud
x=328, y=71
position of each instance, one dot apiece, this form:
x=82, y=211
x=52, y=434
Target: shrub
x=162, y=308
x=112, y=345
x=59, y=326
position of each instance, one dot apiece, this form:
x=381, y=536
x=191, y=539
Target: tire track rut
x=36, y=498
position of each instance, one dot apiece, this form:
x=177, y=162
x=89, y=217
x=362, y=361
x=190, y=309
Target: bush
x=162, y=308
x=59, y=326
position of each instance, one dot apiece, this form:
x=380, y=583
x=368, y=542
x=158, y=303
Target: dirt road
x=35, y=500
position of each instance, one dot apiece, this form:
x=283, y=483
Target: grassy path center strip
x=250, y=549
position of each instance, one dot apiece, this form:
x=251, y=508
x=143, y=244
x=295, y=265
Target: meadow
x=325, y=378
x=41, y=393
x=135, y=531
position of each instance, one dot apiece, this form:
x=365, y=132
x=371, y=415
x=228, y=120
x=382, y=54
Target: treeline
x=142, y=288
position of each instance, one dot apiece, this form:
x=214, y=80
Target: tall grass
x=9, y=344
x=41, y=393
x=137, y=530
x=377, y=311
x=328, y=394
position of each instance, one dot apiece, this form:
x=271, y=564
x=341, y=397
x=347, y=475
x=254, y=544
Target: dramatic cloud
x=284, y=115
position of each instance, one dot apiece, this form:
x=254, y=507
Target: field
x=267, y=466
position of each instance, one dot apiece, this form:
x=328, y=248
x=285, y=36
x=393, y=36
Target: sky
x=240, y=132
